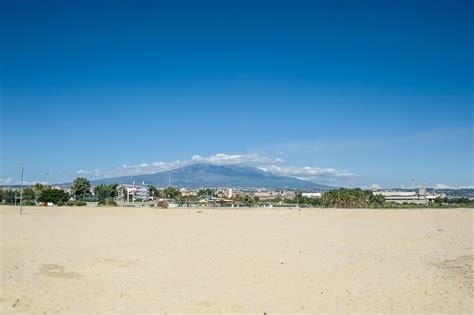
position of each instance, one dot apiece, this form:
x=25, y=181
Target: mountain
x=208, y=175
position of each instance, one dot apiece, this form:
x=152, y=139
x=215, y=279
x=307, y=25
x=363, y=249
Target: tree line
x=39, y=193
x=81, y=191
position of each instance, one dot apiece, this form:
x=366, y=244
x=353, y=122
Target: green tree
x=348, y=198
x=54, y=195
x=29, y=194
x=377, y=200
x=154, y=192
x=171, y=193
x=10, y=196
x=81, y=188
x=105, y=192
x=245, y=199
x=38, y=189
x=206, y=192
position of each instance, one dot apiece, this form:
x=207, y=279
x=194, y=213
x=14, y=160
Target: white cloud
x=441, y=186
x=237, y=159
x=375, y=186
x=314, y=174
x=128, y=170
x=10, y=181
x=6, y=181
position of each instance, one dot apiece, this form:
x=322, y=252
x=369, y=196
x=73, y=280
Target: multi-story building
x=419, y=197
x=129, y=193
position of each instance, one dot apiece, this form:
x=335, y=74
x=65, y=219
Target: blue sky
x=352, y=93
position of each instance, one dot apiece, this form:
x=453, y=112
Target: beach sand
x=89, y=259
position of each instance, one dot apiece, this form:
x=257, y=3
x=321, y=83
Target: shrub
x=112, y=203
x=162, y=204
x=72, y=203
x=107, y=203
x=60, y=203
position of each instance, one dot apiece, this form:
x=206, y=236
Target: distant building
x=420, y=197
x=311, y=194
x=224, y=192
x=185, y=192
x=272, y=194
x=133, y=193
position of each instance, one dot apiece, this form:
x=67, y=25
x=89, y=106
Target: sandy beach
x=137, y=260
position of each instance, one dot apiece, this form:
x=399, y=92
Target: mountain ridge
x=210, y=175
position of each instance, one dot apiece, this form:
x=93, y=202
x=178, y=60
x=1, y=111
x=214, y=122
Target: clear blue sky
x=381, y=89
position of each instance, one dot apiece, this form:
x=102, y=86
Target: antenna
x=21, y=189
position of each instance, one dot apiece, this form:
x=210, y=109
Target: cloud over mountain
x=272, y=165
x=313, y=174
x=237, y=159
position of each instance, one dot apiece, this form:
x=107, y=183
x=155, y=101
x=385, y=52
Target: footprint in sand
x=120, y=262
x=57, y=271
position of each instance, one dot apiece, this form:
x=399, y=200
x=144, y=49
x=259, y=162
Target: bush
x=72, y=203
x=60, y=203
x=107, y=203
x=29, y=203
x=162, y=204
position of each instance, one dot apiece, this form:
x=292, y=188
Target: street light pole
x=297, y=200
x=21, y=189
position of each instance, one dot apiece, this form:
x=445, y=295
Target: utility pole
x=47, y=179
x=169, y=179
x=297, y=200
x=21, y=189
x=413, y=187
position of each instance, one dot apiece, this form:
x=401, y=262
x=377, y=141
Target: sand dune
x=78, y=260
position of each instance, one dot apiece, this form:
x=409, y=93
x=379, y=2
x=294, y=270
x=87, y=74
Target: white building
x=420, y=197
x=130, y=193
x=311, y=194
x=271, y=194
